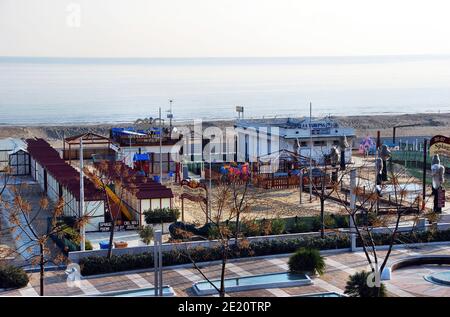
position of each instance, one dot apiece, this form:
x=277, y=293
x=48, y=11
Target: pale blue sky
x=208, y=28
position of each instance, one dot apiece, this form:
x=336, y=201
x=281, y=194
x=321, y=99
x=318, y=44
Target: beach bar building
x=135, y=143
x=57, y=179
x=259, y=138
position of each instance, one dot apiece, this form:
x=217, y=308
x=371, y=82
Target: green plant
x=316, y=224
x=357, y=286
x=278, y=226
x=299, y=227
x=329, y=221
x=12, y=277
x=161, y=215
x=342, y=221
x=307, y=260
x=146, y=234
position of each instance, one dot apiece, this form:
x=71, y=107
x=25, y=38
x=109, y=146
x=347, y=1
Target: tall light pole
x=310, y=152
x=160, y=147
x=170, y=116
x=82, y=228
x=210, y=184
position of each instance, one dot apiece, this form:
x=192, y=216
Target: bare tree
x=34, y=224
x=229, y=202
x=114, y=180
x=367, y=201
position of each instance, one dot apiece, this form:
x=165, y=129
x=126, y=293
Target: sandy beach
x=427, y=124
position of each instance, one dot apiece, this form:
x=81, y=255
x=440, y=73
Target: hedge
x=410, y=237
x=161, y=215
x=264, y=227
x=12, y=277
x=100, y=265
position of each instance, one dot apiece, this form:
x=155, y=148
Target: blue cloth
x=104, y=245
x=141, y=157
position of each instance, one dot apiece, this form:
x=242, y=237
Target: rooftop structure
x=258, y=138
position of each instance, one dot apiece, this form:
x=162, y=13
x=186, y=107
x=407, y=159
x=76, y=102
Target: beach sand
x=428, y=124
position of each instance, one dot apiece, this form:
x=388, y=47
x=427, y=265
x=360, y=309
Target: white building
x=258, y=138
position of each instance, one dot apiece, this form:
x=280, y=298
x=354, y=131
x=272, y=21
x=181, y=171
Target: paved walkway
x=404, y=282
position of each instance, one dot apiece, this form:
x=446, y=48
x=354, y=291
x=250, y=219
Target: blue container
x=156, y=179
x=104, y=245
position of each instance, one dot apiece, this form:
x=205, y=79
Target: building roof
x=141, y=186
x=43, y=153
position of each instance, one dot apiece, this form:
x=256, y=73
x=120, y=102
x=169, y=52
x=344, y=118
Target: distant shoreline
x=428, y=124
x=219, y=120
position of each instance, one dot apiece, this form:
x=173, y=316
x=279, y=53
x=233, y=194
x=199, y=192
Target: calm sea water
x=49, y=91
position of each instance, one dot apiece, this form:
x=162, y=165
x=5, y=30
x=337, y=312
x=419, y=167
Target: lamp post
x=82, y=228
x=310, y=152
x=157, y=257
x=160, y=147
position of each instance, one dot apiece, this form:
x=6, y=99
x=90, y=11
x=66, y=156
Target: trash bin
x=104, y=245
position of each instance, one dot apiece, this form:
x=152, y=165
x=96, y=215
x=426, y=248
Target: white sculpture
x=437, y=172
x=437, y=175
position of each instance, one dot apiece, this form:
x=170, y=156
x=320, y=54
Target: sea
x=48, y=91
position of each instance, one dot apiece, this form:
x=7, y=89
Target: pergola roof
x=88, y=138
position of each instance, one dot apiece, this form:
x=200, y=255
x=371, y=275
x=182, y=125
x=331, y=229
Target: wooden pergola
x=89, y=139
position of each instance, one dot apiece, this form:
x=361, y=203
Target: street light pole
x=210, y=185
x=82, y=228
x=310, y=152
x=160, y=147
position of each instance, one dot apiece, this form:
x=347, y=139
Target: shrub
x=299, y=227
x=12, y=277
x=342, y=221
x=146, y=234
x=357, y=286
x=316, y=224
x=307, y=260
x=329, y=221
x=161, y=215
x=250, y=228
x=278, y=226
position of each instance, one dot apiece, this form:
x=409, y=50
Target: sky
x=223, y=28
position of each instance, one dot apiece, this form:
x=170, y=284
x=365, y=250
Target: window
x=303, y=144
x=319, y=143
x=336, y=142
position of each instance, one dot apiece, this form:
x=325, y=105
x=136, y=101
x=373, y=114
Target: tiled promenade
x=404, y=282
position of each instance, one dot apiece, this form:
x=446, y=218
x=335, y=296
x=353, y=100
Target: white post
x=160, y=147
x=158, y=239
x=156, y=262
x=82, y=228
x=310, y=152
x=352, y=208
x=301, y=185
x=210, y=186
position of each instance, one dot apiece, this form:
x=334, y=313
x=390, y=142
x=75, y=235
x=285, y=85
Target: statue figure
x=334, y=159
x=334, y=156
x=437, y=174
x=385, y=154
x=379, y=176
x=343, y=144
